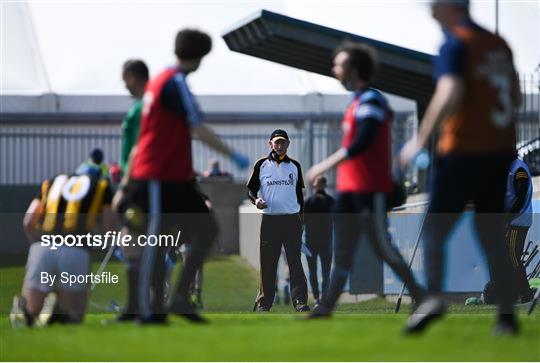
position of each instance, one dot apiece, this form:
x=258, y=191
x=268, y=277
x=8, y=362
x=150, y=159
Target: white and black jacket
x=279, y=183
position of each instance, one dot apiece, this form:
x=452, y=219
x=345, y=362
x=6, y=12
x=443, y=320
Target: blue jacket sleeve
x=177, y=97
x=371, y=112
x=451, y=59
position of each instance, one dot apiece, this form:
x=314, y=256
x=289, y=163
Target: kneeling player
x=67, y=204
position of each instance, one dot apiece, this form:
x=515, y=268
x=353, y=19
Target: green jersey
x=130, y=132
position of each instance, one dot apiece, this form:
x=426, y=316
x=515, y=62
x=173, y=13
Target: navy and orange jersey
x=164, y=145
x=366, y=136
x=484, y=121
x=72, y=203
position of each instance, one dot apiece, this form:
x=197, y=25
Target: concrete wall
x=226, y=196
x=250, y=225
x=14, y=201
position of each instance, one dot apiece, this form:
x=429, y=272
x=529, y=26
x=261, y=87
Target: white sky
x=84, y=43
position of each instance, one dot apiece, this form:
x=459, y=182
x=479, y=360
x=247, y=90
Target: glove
x=421, y=160
x=240, y=160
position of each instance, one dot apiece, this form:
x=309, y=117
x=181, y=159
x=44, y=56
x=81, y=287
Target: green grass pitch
x=366, y=331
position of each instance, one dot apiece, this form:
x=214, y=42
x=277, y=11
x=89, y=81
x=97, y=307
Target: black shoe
x=183, y=308
x=193, y=317
x=430, y=309
x=125, y=316
x=319, y=312
x=261, y=309
x=506, y=327
x=302, y=308
x=154, y=319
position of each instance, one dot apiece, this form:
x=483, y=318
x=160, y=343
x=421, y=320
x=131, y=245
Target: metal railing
x=31, y=153
x=529, y=112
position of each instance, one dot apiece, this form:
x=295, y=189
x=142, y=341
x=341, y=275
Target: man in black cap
x=275, y=187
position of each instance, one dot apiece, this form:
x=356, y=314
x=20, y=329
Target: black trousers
x=515, y=242
x=459, y=179
x=357, y=214
x=170, y=207
x=276, y=231
x=322, y=250
x=515, y=239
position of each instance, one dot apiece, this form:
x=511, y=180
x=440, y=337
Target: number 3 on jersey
x=502, y=116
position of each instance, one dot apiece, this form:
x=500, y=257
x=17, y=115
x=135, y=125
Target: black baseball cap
x=279, y=134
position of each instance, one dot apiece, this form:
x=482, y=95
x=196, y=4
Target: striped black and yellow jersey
x=72, y=203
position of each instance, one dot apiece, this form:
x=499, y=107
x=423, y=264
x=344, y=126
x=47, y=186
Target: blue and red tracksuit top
x=164, y=145
x=370, y=170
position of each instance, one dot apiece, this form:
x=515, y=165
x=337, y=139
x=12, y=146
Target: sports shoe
x=430, y=309
x=261, y=309
x=319, y=312
x=47, y=314
x=181, y=306
x=18, y=316
x=125, y=316
x=506, y=326
x=154, y=319
x=302, y=308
